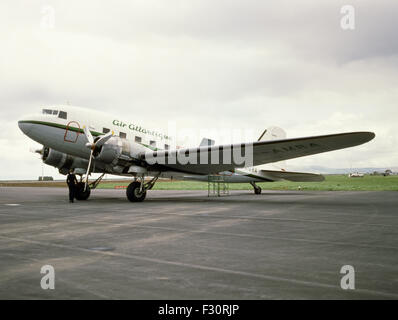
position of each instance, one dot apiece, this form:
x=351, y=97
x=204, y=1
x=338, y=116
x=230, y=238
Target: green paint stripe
x=259, y=177
x=250, y=175
x=150, y=147
x=74, y=129
x=59, y=126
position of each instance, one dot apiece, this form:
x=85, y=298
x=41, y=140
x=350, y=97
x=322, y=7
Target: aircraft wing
x=262, y=152
x=292, y=176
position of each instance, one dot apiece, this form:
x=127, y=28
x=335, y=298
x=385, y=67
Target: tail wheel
x=82, y=194
x=134, y=193
x=257, y=189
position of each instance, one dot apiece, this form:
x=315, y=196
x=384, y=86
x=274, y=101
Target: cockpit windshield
x=61, y=114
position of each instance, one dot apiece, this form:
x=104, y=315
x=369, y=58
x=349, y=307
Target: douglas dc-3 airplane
x=87, y=141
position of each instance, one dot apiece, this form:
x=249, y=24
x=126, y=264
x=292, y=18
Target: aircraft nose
x=25, y=126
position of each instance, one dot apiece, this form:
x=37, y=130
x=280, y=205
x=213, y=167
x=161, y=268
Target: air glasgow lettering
x=134, y=127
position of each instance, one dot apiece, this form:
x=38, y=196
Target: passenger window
x=152, y=143
x=122, y=135
x=105, y=130
x=138, y=139
x=62, y=115
x=166, y=147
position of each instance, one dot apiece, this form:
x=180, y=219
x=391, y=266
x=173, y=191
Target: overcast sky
x=214, y=64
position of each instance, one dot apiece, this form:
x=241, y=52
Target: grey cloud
x=311, y=28
x=220, y=63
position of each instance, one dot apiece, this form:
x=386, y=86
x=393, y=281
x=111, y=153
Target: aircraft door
x=72, y=132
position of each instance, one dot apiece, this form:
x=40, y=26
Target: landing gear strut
x=136, y=191
x=257, y=189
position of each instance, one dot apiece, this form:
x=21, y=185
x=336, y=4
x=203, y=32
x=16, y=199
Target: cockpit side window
x=55, y=112
x=62, y=115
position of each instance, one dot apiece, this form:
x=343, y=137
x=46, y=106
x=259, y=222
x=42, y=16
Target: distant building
x=46, y=178
x=356, y=175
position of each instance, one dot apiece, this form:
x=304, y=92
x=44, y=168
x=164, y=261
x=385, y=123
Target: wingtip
x=368, y=135
x=362, y=136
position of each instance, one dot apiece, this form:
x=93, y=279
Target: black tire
x=133, y=193
x=80, y=193
x=257, y=190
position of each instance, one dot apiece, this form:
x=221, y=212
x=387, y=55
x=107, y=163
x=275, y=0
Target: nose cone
x=25, y=126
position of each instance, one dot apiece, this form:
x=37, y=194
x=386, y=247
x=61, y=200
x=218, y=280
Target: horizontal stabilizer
x=292, y=176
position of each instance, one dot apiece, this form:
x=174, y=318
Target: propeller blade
x=39, y=151
x=88, y=169
x=88, y=135
x=103, y=140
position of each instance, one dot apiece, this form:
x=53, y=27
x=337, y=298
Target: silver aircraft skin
x=87, y=141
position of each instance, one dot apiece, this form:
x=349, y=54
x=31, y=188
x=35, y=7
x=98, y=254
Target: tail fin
x=273, y=133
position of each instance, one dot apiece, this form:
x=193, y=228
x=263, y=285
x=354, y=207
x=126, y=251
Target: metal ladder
x=216, y=186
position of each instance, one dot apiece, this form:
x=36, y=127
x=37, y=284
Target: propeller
x=94, y=145
x=38, y=151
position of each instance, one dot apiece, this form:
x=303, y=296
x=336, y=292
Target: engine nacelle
x=117, y=151
x=115, y=156
x=64, y=162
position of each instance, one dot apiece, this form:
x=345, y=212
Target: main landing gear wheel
x=134, y=193
x=82, y=194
